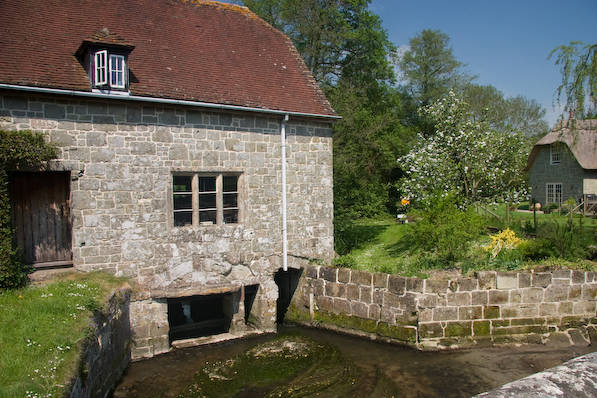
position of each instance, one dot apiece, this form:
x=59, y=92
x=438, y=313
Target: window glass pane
x=207, y=201
x=230, y=216
x=181, y=183
x=207, y=184
x=183, y=202
x=208, y=216
x=182, y=218
x=230, y=183
x=230, y=200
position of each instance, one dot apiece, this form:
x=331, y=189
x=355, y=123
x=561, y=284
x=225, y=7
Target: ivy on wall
x=19, y=150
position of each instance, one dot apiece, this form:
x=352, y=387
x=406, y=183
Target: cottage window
x=555, y=153
x=554, y=193
x=117, y=71
x=101, y=68
x=205, y=199
x=109, y=70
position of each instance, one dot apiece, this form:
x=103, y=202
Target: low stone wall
x=492, y=307
x=106, y=353
x=575, y=378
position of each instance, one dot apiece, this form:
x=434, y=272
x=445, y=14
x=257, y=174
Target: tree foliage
x=465, y=158
x=19, y=150
x=578, y=89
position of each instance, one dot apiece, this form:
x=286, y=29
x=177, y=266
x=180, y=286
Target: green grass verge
x=42, y=330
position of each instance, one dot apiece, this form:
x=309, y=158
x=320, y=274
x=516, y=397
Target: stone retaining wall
x=106, y=354
x=492, y=307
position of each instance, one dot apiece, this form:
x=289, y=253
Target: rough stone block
x=311, y=271
x=374, y=311
x=436, y=286
x=324, y=303
x=481, y=328
x=363, y=278
x=318, y=287
x=378, y=296
x=458, y=329
x=328, y=273
x=520, y=311
x=341, y=306
x=459, y=298
x=541, y=279
x=479, y=297
x=498, y=323
x=359, y=309
x=532, y=295
x=548, y=309
x=468, y=313
x=467, y=284
x=366, y=294
x=415, y=285
x=584, y=307
x=491, y=312
x=430, y=330
x=574, y=292
x=335, y=289
x=507, y=280
x=524, y=279
x=487, y=280
x=578, y=277
x=397, y=284
x=445, y=314
x=515, y=296
x=565, y=308
x=352, y=292
x=391, y=300
x=380, y=280
x=344, y=275
x=54, y=111
x=527, y=321
x=589, y=291
x=427, y=301
x=408, y=302
x=498, y=297
x=426, y=315
x=562, y=273
x=555, y=293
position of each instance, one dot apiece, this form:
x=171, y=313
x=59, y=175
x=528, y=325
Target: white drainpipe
x=284, y=237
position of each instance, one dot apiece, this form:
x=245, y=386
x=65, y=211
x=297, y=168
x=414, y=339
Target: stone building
x=563, y=164
x=169, y=117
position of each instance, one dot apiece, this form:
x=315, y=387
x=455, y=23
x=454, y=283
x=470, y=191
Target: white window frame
x=219, y=192
x=553, y=197
x=555, y=153
x=114, y=69
x=100, y=65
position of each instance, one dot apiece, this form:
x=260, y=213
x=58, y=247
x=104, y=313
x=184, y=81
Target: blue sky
x=504, y=42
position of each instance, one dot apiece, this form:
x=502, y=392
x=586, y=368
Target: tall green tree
x=578, y=89
x=430, y=67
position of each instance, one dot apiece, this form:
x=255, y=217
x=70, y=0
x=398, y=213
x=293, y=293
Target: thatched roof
x=579, y=135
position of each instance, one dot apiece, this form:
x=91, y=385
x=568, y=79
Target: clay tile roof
x=579, y=135
x=203, y=51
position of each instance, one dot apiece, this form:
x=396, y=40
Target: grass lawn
x=42, y=329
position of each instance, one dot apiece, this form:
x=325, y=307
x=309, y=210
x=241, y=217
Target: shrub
x=347, y=261
x=444, y=231
x=19, y=150
x=567, y=241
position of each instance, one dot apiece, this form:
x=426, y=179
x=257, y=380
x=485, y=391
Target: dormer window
x=105, y=57
x=555, y=152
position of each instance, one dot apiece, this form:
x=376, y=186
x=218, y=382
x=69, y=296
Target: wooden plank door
x=41, y=217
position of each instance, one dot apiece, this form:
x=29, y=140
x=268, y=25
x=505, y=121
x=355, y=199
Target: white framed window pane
x=101, y=66
x=117, y=71
x=230, y=216
x=207, y=217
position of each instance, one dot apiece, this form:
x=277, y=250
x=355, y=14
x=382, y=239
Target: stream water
x=375, y=369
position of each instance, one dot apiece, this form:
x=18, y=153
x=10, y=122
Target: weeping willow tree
x=578, y=90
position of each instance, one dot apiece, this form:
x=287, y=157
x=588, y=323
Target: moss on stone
x=481, y=328
x=491, y=312
x=458, y=329
x=402, y=333
x=296, y=314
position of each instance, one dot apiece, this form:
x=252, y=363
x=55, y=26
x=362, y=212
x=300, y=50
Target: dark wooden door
x=41, y=217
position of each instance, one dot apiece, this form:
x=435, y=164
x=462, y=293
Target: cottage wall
x=568, y=172
x=122, y=156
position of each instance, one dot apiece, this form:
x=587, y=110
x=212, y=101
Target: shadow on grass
x=350, y=236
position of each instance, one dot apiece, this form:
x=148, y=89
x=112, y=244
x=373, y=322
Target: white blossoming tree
x=464, y=158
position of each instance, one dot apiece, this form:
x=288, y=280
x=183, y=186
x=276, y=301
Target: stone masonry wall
x=106, y=354
x=493, y=307
x=121, y=156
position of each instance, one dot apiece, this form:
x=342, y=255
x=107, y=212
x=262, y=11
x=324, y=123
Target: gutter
x=168, y=101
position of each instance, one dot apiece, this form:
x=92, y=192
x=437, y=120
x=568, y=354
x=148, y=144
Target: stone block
x=436, y=286
x=515, y=296
x=408, y=302
x=361, y=277
x=396, y=284
x=344, y=275
x=366, y=294
x=498, y=297
x=583, y=308
x=481, y=328
x=518, y=311
x=378, y=296
x=380, y=280
x=54, y=111
x=391, y=300
x=387, y=315
x=507, y=280
x=548, y=309
x=527, y=321
x=589, y=291
x=445, y=314
x=374, y=311
x=458, y=329
x=328, y=273
x=487, y=279
x=491, y=312
x=565, y=308
x=555, y=293
x=498, y=323
x=415, y=285
x=574, y=292
x=427, y=301
x=359, y=309
x=430, y=330
x=311, y=271
x=562, y=273
x=335, y=289
x=468, y=313
x=458, y=299
x=540, y=279
x=479, y=297
x=467, y=284
x=426, y=315
x=352, y=292
x=318, y=287
x=324, y=303
x=341, y=306
x=578, y=277
x=532, y=295
x=524, y=279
